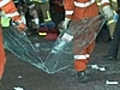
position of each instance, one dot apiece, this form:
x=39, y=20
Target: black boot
x=82, y=78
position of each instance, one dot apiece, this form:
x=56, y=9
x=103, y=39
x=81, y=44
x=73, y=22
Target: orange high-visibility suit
x=8, y=9
x=79, y=10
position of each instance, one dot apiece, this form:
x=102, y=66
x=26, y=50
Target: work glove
x=20, y=26
x=66, y=23
x=108, y=11
x=115, y=17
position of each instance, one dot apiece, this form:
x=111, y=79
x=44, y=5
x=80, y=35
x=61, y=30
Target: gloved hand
x=115, y=17
x=108, y=11
x=65, y=23
x=21, y=27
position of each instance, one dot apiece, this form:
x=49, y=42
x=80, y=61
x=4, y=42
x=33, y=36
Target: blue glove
x=115, y=17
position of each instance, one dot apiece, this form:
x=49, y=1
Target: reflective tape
x=12, y=14
x=40, y=1
x=48, y=17
x=110, y=22
x=78, y=4
x=105, y=1
x=4, y=2
x=82, y=56
x=16, y=1
x=42, y=33
x=87, y=55
x=99, y=3
x=68, y=12
x=32, y=6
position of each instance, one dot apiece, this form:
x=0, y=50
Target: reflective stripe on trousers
x=79, y=57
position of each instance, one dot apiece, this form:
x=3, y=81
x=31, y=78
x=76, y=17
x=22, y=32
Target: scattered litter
x=18, y=88
x=19, y=76
x=101, y=68
x=94, y=66
x=37, y=44
x=111, y=82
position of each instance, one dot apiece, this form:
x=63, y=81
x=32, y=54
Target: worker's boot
x=82, y=78
x=51, y=27
x=43, y=29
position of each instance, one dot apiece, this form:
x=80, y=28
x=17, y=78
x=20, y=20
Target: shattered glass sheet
x=85, y=32
x=53, y=56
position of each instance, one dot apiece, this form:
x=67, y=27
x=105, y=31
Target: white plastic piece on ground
x=18, y=88
x=111, y=82
x=19, y=76
x=96, y=67
x=102, y=69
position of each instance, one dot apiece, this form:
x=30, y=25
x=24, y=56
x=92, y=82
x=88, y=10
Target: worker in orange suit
x=80, y=10
x=8, y=9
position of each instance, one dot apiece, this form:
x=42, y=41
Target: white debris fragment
x=94, y=66
x=37, y=44
x=101, y=68
x=19, y=76
x=18, y=88
x=111, y=82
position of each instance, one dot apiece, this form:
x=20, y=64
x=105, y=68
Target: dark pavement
x=21, y=74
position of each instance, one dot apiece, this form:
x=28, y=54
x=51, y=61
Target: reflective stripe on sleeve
x=4, y=2
x=105, y=1
x=16, y=1
x=78, y=4
x=99, y=3
x=12, y=14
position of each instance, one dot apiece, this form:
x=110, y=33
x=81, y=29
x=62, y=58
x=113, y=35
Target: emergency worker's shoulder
x=114, y=4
